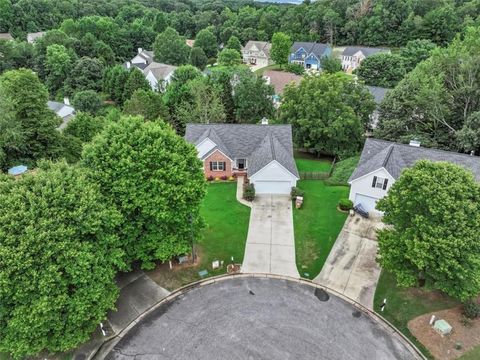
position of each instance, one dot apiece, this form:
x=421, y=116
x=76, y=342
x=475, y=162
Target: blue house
x=309, y=54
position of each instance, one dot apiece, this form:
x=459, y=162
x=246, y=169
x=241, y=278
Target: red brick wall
x=217, y=156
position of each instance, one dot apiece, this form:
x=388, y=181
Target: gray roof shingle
x=395, y=157
x=367, y=51
x=378, y=93
x=310, y=47
x=260, y=144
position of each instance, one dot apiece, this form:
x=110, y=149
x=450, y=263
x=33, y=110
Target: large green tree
x=136, y=81
x=87, y=101
x=148, y=104
x=154, y=178
x=434, y=213
x=280, y=51
x=207, y=41
x=114, y=81
x=234, y=43
x=469, y=135
x=86, y=75
x=335, y=122
x=198, y=58
x=170, y=48
x=229, y=57
x=59, y=256
x=382, y=69
x=58, y=64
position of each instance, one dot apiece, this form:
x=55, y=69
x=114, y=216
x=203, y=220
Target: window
x=379, y=183
x=241, y=164
x=217, y=166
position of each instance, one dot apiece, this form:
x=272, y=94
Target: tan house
x=257, y=53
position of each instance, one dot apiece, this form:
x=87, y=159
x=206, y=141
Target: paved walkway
x=270, y=242
x=351, y=268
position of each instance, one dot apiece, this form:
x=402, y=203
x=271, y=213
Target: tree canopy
x=171, y=48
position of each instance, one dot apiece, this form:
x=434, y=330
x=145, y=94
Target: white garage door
x=272, y=187
x=368, y=202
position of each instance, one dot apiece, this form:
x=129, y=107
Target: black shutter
x=211, y=166
x=224, y=166
x=385, y=184
x=374, y=181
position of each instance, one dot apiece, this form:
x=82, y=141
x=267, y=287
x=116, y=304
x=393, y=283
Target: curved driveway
x=259, y=318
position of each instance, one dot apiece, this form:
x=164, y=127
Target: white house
x=261, y=153
x=63, y=110
x=32, y=37
x=257, y=53
x=159, y=75
x=382, y=162
x=352, y=56
x=141, y=60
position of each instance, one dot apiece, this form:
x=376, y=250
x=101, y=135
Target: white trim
x=370, y=173
x=273, y=161
x=201, y=142
x=220, y=151
x=319, y=62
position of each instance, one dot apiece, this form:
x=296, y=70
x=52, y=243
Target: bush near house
x=345, y=204
x=471, y=309
x=296, y=192
x=249, y=192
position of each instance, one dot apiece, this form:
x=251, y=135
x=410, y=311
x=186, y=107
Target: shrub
x=249, y=192
x=295, y=68
x=224, y=177
x=210, y=178
x=296, y=192
x=345, y=204
x=217, y=179
x=471, y=309
x=231, y=178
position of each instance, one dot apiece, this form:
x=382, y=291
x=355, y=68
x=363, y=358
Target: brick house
x=261, y=153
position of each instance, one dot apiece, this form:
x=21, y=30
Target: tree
x=440, y=25
x=434, y=212
x=59, y=258
x=229, y=57
x=198, y=58
x=170, y=48
x=331, y=64
x=28, y=126
x=155, y=180
x=136, y=81
x=234, y=43
x=114, y=82
x=160, y=23
x=281, y=44
x=382, y=69
x=85, y=75
x=87, y=101
x=147, y=104
x=58, y=64
x=469, y=135
x=252, y=98
x=332, y=124
x=416, y=51
x=207, y=41
x=84, y=126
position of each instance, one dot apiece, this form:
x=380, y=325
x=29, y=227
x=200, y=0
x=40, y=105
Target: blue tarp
x=17, y=170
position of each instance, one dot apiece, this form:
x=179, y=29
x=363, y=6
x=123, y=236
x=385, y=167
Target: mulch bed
x=444, y=347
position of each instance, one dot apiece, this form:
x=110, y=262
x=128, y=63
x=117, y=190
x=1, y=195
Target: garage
x=368, y=202
x=272, y=187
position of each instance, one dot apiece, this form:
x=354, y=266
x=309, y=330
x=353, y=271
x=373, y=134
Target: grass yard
x=404, y=304
x=317, y=224
x=260, y=71
x=224, y=236
x=471, y=355
x=309, y=163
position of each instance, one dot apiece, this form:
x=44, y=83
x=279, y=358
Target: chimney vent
x=66, y=101
x=140, y=50
x=472, y=152
x=264, y=121
x=415, y=143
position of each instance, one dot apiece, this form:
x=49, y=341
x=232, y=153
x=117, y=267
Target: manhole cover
x=356, y=314
x=321, y=294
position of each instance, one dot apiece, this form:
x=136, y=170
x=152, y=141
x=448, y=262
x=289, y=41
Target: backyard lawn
x=309, y=163
x=224, y=236
x=317, y=224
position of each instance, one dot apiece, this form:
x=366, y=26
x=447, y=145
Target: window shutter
x=211, y=166
x=224, y=167
x=385, y=184
x=374, y=181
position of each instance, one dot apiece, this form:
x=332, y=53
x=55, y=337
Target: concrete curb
x=111, y=342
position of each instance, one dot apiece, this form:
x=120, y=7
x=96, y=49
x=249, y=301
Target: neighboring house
x=6, y=36
x=141, y=60
x=379, y=94
x=382, y=162
x=32, y=37
x=309, y=54
x=352, y=56
x=190, y=42
x=257, y=53
x=63, y=110
x=159, y=75
x=280, y=79
x=262, y=153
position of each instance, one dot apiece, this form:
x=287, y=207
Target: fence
x=314, y=175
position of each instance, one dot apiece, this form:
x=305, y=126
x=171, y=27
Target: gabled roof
x=367, y=51
x=159, y=71
x=6, y=36
x=395, y=157
x=378, y=93
x=318, y=49
x=280, y=79
x=260, y=144
x=260, y=45
x=64, y=111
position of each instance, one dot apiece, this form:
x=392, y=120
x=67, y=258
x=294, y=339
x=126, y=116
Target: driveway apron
x=270, y=242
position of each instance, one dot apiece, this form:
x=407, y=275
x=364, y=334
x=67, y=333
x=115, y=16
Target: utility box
x=442, y=327
x=299, y=202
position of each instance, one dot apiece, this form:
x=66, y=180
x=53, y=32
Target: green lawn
x=317, y=224
x=260, y=71
x=471, y=355
x=404, y=304
x=224, y=236
x=308, y=162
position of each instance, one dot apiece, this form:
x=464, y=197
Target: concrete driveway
x=270, y=242
x=351, y=268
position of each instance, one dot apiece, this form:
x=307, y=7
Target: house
x=382, y=162
x=141, y=60
x=257, y=53
x=309, y=54
x=32, y=37
x=159, y=75
x=379, y=94
x=6, y=36
x=63, y=110
x=352, y=56
x=190, y=42
x=263, y=153
x=280, y=79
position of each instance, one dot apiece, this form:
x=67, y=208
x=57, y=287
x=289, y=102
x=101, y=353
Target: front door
x=241, y=164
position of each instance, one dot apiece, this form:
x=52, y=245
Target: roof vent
x=472, y=152
x=264, y=121
x=415, y=143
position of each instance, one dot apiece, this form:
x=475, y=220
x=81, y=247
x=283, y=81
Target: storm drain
x=356, y=314
x=321, y=294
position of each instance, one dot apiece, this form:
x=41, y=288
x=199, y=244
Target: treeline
x=366, y=22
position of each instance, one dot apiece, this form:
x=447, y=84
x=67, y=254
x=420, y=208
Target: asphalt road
x=259, y=318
